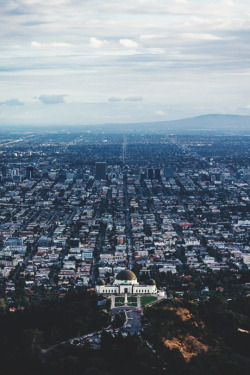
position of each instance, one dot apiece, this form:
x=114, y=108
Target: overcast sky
x=102, y=61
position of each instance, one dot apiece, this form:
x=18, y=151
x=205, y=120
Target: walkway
x=112, y=302
x=138, y=302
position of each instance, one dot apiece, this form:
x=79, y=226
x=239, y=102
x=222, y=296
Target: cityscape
x=133, y=220
x=125, y=187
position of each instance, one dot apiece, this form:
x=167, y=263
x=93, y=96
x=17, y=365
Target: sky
x=77, y=62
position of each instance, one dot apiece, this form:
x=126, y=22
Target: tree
x=2, y=305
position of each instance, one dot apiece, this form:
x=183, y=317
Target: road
x=133, y=323
x=72, y=216
x=128, y=229
x=93, y=340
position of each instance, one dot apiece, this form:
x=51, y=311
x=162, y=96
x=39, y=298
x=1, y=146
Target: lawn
x=119, y=301
x=132, y=301
x=145, y=300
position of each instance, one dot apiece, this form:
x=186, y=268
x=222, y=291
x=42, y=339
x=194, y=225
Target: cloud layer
x=52, y=99
x=123, y=61
x=12, y=102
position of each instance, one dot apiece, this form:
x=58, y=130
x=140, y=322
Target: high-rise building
x=150, y=173
x=100, y=170
x=61, y=176
x=70, y=175
x=4, y=170
x=29, y=172
x=15, y=172
x=168, y=172
x=158, y=174
x=246, y=174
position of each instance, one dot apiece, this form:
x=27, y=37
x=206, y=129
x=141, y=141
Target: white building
x=246, y=259
x=126, y=282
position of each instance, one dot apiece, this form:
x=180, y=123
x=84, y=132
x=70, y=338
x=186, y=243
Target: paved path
x=112, y=302
x=138, y=302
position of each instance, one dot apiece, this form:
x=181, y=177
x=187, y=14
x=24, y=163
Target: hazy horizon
x=95, y=62
x=204, y=125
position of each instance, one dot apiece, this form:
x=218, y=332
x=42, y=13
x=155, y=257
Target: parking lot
x=132, y=325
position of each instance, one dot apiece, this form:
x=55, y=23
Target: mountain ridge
x=214, y=122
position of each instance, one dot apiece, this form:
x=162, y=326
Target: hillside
x=191, y=335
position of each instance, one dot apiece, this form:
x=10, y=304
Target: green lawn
x=145, y=300
x=132, y=299
x=119, y=301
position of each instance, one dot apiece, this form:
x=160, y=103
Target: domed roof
x=151, y=282
x=126, y=275
x=100, y=282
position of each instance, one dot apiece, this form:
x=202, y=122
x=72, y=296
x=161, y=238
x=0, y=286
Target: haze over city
x=90, y=62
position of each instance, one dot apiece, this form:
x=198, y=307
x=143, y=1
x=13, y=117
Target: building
x=30, y=172
x=168, y=172
x=4, y=170
x=150, y=173
x=246, y=260
x=158, y=174
x=126, y=282
x=100, y=171
x=44, y=242
x=14, y=241
x=246, y=174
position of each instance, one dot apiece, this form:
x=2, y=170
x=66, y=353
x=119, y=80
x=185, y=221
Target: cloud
x=133, y=99
x=162, y=48
x=51, y=99
x=12, y=102
x=129, y=99
x=35, y=44
x=114, y=100
x=96, y=43
x=151, y=36
x=160, y=113
x=205, y=37
x=128, y=43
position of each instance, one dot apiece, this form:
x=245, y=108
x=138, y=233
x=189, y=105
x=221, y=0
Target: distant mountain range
x=200, y=124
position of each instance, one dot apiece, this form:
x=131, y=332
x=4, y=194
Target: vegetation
x=119, y=301
x=145, y=300
x=25, y=333
x=29, y=341
x=210, y=337
x=132, y=301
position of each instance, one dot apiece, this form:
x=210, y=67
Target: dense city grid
x=173, y=208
